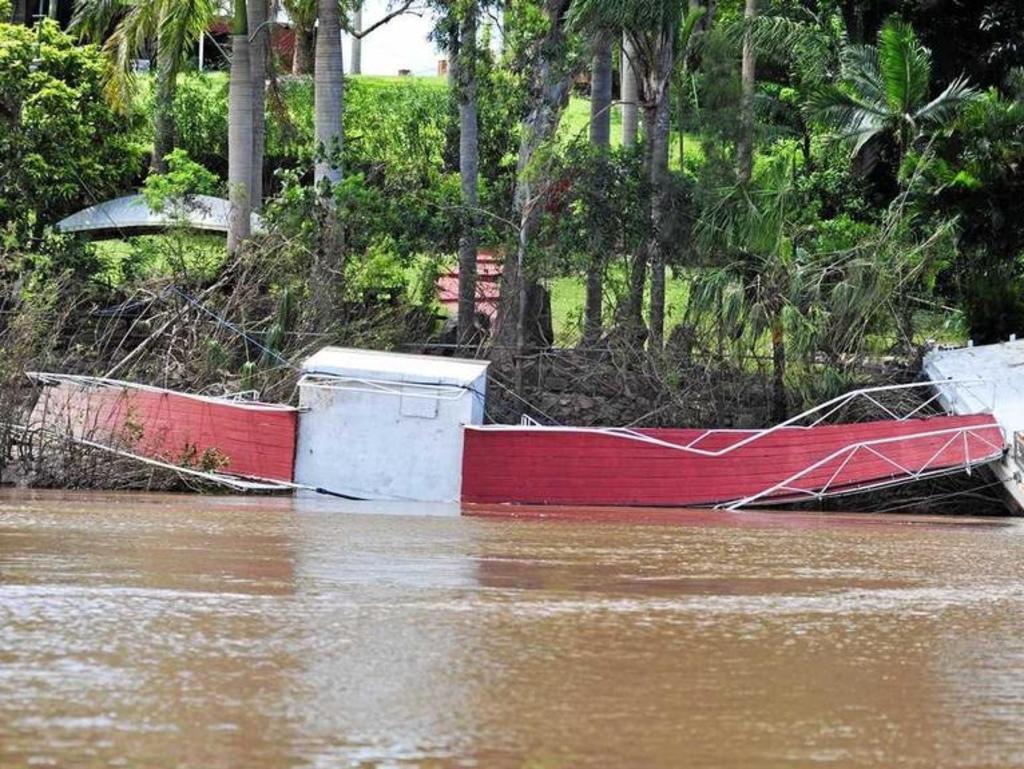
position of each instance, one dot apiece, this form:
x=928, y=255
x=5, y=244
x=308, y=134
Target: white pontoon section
x=988, y=378
x=378, y=425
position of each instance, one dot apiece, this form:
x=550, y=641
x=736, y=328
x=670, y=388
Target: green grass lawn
x=576, y=123
x=568, y=298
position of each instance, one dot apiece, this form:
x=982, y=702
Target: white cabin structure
x=386, y=426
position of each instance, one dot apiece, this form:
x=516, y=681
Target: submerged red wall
x=575, y=467
x=254, y=440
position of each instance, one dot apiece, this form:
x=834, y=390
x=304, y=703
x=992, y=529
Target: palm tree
x=549, y=83
x=328, y=93
x=755, y=275
x=600, y=138
x=628, y=94
x=465, y=63
x=884, y=92
x=240, y=131
x=357, y=39
x=748, y=74
x=328, y=98
x=257, y=12
x=172, y=27
x=652, y=29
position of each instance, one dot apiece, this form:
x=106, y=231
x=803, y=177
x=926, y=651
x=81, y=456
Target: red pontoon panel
x=567, y=466
x=250, y=439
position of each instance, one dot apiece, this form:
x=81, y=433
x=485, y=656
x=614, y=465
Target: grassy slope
x=576, y=122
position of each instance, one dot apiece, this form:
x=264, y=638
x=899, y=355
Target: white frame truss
x=47, y=378
x=785, y=490
x=819, y=413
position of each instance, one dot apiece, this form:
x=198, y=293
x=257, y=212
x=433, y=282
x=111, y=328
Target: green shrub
x=201, y=119
x=184, y=177
x=61, y=146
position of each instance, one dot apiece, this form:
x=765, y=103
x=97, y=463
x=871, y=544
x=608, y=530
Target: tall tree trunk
x=357, y=42
x=258, y=52
x=20, y=12
x=239, y=131
x=163, y=110
x=780, y=407
x=465, y=64
x=328, y=82
x=549, y=86
x=600, y=138
x=601, y=93
x=657, y=125
x=745, y=141
x=634, y=316
x=302, y=54
x=658, y=130
x=629, y=95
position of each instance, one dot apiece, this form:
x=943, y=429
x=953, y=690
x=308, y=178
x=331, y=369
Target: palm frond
x=940, y=109
x=862, y=72
x=122, y=48
x=92, y=19
x=686, y=29
x=634, y=17
x=906, y=65
x=851, y=116
x=181, y=24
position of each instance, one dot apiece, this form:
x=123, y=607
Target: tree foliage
x=61, y=146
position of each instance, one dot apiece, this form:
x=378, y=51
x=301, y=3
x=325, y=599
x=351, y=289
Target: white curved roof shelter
x=133, y=213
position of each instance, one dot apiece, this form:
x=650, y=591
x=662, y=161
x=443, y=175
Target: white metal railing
x=819, y=413
x=98, y=382
x=906, y=474
x=438, y=391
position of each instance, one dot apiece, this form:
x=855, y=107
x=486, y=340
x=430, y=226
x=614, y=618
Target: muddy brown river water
x=174, y=631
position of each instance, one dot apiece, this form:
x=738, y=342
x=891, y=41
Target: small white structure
x=987, y=378
x=132, y=212
x=378, y=425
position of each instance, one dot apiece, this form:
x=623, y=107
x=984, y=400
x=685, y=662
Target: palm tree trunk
x=550, y=84
x=634, y=315
x=258, y=52
x=628, y=95
x=659, y=133
x=745, y=141
x=601, y=93
x=163, y=111
x=780, y=407
x=328, y=84
x=357, y=42
x=600, y=138
x=680, y=102
x=466, y=82
x=302, y=54
x=239, y=131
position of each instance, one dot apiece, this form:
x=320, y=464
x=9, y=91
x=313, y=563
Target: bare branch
x=404, y=8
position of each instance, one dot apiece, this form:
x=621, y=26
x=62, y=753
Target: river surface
x=176, y=631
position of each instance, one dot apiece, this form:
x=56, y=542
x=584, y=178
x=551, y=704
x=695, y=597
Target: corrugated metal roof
x=132, y=212
x=394, y=367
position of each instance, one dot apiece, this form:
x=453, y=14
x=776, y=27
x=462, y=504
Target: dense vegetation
x=816, y=188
